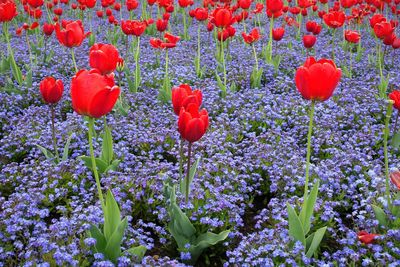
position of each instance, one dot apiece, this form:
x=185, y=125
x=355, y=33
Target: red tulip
x=133, y=27
x=103, y=57
x=244, y=4
x=161, y=25
x=72, y=35
x=222, y=17
x=51, y=90
x=131, y=5
x=389, y=39
x=183, y=95
x=396, y=43
x=311, y=25
x=8, y=10
x=395, y=176
x=383, y=29
x=48, y=29
x=277, y=33
x=170, y=41
x=335, y=19
x=309, y=40
x=316, y=80
x=252, y=37
x=352, y=36
x=93, y=94
x=99, y=13
x=192, y=123
x=201, y=14
x=58, y=11
x=35, y=3
x=365, y=237
x=377, y=18
x=185, y=3
x=274, y=8
x=395, y=96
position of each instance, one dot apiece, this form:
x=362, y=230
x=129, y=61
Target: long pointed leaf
x=113, y=248
x=295, y=228
x=107, y=152
x=308, y=208
x=100, y=239
x=318, y=235
x=112, y=216
x=66, y=148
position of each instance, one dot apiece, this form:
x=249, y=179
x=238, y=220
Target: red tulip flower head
x=192, y=123
x=170, y=41
x=8, y=10
x=395, y=178
x=183, y=95
x=274, y=8
x=93, y=94
x=48, y=29
x=365, y=237
x=383, y=29
x=277, y=33
x=395, y=96
x=103, y=57
x=335, y=19
x=352, y=36
x=316, y=80
x=51, y=90
x=72, y=34
x=309, y=40
x=133, y=27
x=222, y=17
x=252, y=37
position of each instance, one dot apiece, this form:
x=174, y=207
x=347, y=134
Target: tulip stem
x=198, y=66
x=188, y=172
x=181, y=159
x=223, y=65
x=94, y=167
x=53, y=132
x=385, y=150
x=395, y=123
x=73, y=59
x=255, y=55
x=310, y=127
x=137, y=67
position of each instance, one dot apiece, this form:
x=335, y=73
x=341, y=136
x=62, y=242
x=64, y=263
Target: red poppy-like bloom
x=8, y=10
x=93, y=94
x=183, y=95
x=131, y=4
x=170, y=41
x=72, y=34
x=335, y=19
x=51, y=90
x=316, y=80
x=133, y=27
x=352, y=36
x=200, y=14
x=192, y=123
x=277, y=33
x=252, y=37
x=274, y=8
x=365, y=237
x=103, y=57
x=48, y=29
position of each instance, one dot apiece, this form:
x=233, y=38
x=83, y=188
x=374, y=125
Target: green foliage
x=109, y=241
x=300, y=225
x=50, y=156
x=107, y=160
x=255, y=78
x=192, y=173
x=183, y=230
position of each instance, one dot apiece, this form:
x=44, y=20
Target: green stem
x=198, y=67
x=181, y=159
x=310, y=127
x=137, y=67
x=53, y=132
x=73, y=59
x=333, y=44
x=223, y=64
x=94, y=167
x=269, y=50
x=188, y=172
x=184, y=23
x=255, y=56
x=385, y=150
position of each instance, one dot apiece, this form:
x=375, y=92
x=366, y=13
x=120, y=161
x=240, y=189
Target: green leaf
x=16, y=71
x=295, y=227
x=107, y=152
x=112, y=216
x=192, y=173
x=204, y=241
x=46, y=153
x=308, y=208
x=113, y=248
x=101, y=165
x=318, y=235
x=180, y=226
x=101, y=242
x=396, y=140
x=66, y=148
x=138, y=251
x=92, y=39
x=4, y=64
x=380, y=215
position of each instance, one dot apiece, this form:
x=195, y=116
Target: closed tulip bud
x=103, y=57
x=51, y=90
x=93, y=94
x=161, y=25
x=316, y=80
x=48, y=29
x=183, y=95
x=222, y=17
x=277, y=33
x=192, y=123
x=309, y=41
x=383, y=29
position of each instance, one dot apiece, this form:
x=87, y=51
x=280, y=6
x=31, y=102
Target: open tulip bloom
x=256, y=75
